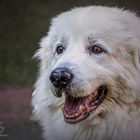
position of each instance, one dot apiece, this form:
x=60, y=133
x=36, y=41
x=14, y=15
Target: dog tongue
x=78, y=104
x=75, y=109
x=72, y=105
x=79, y=108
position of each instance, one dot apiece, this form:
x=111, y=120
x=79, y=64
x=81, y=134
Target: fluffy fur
x=118, y=31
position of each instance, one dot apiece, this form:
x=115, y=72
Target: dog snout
x=61, y=77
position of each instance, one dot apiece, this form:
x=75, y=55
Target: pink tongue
x=72, y=105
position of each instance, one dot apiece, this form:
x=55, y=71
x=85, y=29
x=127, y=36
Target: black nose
x=61, y=77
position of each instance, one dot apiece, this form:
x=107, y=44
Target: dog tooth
x=90, y=97
x=72, y=116
x=81, y=108
x=66, y=115
x=76, y=114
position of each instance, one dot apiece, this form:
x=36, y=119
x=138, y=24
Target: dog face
x=90, y=62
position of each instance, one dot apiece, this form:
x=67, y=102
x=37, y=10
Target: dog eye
x=60, y=49
x=96, y=49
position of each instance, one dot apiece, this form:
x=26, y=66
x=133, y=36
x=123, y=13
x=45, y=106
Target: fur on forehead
x=119, y=29
x=107, y=19
x=115, y=25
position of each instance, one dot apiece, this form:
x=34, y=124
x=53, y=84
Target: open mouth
x=79, y=108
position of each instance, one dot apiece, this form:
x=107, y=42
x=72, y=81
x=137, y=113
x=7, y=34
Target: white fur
x=118, y=31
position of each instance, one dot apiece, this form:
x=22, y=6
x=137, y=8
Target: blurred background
x=22, y=24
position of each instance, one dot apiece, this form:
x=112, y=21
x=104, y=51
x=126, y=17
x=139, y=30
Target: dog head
x=90, y=62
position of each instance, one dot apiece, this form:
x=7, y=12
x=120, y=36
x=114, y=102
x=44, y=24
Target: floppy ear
x=44, y=53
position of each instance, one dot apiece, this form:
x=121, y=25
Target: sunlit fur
x=116, y=30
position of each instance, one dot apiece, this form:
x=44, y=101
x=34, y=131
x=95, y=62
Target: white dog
x=89, y=81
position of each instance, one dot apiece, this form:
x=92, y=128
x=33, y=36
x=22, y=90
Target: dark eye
x=60, y=49
x=96, y=49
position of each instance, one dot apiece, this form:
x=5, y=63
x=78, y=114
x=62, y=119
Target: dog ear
x=44, y=53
